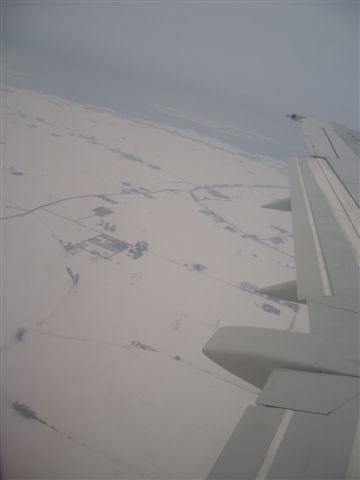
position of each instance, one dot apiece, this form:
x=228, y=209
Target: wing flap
x=317, y=446
x=307, y=391
x=275, y=443
x=245, y=451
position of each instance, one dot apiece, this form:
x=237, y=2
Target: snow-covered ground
x=126, y=244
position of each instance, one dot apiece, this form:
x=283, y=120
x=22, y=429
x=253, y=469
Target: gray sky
x=221, y=56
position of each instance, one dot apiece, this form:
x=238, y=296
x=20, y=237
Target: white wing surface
x=306, y=422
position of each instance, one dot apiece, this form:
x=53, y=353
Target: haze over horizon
x=246, y=63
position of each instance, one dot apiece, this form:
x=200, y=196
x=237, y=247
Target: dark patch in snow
x=279, y=229
x=217, y=194
x=248, y=287
x=107, y=199
x=270, y=309
x=138, y=250
x=68, y=247
x=128, y=156
x=74, y=277
x=102, y=211
x=24, y=410
x=277, y=240
x=20, y=333
x=88, y=138
x=197, y=267
x=230, y=228
x=294, y=306
x=142, y=346
x=250, y=235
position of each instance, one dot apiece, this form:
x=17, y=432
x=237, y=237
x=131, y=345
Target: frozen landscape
x=139, y=141
x=126, y=244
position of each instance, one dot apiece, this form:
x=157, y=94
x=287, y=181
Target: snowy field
x=126, y=244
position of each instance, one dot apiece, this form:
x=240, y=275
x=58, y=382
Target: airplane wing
x=306, y=421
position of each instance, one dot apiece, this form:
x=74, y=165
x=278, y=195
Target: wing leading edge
x=306, y=422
